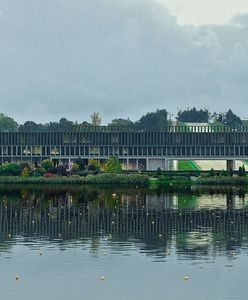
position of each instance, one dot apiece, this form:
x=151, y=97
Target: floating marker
x=186, y=278
x=17, y=277
x=102, y=277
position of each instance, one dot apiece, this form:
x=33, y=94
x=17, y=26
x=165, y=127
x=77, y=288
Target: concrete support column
x=137, y=164
x=166, y=164
x=230, y=164
x=128, y=164
x=175, y=165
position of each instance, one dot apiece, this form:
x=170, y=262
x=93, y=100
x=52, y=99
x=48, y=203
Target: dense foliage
x=112, y=165
x=151, y=121
x=231, y=119
x=154, y=120
x=122, y=179
x=7, y=123
x=193, y=116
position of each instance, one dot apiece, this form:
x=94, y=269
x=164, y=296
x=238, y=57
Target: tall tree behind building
x=96, y=119
x=193, y=115
x=7, y=123
x=154, y=120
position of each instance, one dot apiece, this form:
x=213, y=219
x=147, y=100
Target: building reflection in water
x=192, y=222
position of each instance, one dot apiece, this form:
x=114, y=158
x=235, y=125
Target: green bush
x=218, y=180
x=10, y=169
x=112, y=165
x=133, y=179
x=118, y=179
x=75, y=168
x=25, y=173
x=94, y=165
x=47, y=164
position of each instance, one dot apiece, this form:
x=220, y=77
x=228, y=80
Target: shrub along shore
x=116, y=179
x=111, y=173
x=135, y=179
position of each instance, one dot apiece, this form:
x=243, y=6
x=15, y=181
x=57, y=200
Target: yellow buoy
x=186, y=277
x=102, y=277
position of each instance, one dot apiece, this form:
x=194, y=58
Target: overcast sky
x=69, y=58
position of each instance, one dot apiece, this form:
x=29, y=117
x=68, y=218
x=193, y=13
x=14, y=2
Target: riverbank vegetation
x=105, y=179
x=110, y=172
x=80, y=173
x=198, y=177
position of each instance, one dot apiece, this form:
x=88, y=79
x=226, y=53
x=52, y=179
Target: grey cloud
x=122, y=58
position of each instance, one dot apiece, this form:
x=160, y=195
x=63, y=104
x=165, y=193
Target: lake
x=69, y=242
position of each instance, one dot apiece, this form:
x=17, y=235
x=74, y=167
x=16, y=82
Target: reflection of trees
x=146, y=218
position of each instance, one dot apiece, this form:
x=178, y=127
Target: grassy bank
x=221, y=180
x=168, y=181
x=187, y=165
x=211, y=181
x=118, y=179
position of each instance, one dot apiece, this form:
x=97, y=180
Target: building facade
x=137, y=149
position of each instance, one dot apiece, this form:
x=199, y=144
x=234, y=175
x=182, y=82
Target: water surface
x=123, y=243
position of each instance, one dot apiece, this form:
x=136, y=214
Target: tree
x=193, y=116
x=154, y=120
x=31, y=126
x=112, y=165
x=232, y=120
x=81, y=163
x=75, y=168
x=94, y=165
x=96, y=120
x=121, y=123
x=65, y=125
x=47, y=164
x=242, y=172
x=10, y=169
x=7, y=123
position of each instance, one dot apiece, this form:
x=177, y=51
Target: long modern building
x=139, y=149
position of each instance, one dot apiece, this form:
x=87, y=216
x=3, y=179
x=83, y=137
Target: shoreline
x=106, y=179
x=215, y=180
x=141, y=180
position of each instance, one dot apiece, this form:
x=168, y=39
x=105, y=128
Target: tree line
x=152, y=120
